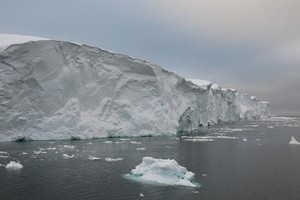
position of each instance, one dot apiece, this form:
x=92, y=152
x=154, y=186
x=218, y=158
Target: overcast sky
x=251, y=45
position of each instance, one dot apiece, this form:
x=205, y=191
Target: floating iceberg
x=14, y=166
x=141, y=149
x=71, y=91
x=162, y=171
x=294, y=141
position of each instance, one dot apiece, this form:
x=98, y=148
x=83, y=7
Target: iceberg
x=14, y=166
x=294, y=141
x=54, y=90
x=162, y=171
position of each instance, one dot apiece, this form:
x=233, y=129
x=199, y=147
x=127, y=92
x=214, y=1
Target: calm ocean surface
x=258, y=164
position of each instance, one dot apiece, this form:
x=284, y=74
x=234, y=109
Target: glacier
x=55, y=90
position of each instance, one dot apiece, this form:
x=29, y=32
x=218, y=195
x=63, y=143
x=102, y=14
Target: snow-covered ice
x=14, y=166
x=162, y=171
x=83, y=92
x=113, y=159
x=141, y=149
x=294, y=141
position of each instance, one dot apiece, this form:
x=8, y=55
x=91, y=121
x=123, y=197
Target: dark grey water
x=264, y=167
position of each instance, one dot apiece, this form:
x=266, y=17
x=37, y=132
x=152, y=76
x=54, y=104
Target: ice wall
x=60, y=90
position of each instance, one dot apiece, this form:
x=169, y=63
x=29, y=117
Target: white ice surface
x=52, y=90
x=163, y=171
x=14, y=166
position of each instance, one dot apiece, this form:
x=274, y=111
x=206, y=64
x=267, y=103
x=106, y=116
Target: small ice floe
x=135, y=142
x=3, y=153
x=294, y=141
x=14, y=166
x=113, y=159
x=93, y=158
x=125, y=139
x=66, y=156
x=199, y=139
x=257, y=139
x=252, y=125
x=89, y=143
x=108, y=142
x=24, y=153
x=239, y=129
x=207, y=138
x=195, y=191
x=70, y=147
x=142, y=195
x=245, y=140
x=204, y=174
x=36, y=152
x=270, y=127
x=141, y=149
x=162, y=171
x=51, y=142
x=1, y=165
x=51, y=148
x=4, y=156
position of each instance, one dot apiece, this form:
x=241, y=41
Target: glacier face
x=52, y=90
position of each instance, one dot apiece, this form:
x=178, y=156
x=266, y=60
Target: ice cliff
x=60, y=90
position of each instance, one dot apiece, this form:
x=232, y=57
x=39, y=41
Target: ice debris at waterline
x=54, y=90
x=162, y=171
x=294, y=141
x=14, y=166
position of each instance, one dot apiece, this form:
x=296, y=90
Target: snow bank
x=14, y=166
x=294, y=141
x=163, y=171
x=54, y=90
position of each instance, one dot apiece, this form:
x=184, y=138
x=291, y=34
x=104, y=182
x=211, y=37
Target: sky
x=250, y=45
